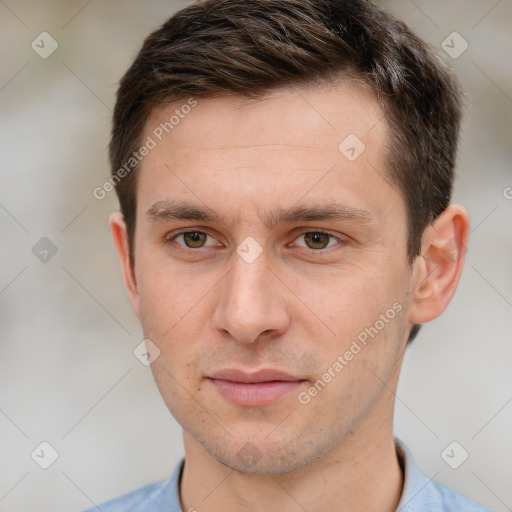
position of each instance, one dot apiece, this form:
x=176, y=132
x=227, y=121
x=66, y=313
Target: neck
x=360, y=473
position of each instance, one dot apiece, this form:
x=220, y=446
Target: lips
x=264, y=375
x=257, y=389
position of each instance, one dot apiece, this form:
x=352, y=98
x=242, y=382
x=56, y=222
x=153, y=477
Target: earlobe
x=120, y=237
x=436, y=272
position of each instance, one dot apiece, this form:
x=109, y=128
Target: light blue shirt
x=419, y=494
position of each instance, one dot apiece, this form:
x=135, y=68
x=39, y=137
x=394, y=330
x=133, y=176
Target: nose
x=252, y=302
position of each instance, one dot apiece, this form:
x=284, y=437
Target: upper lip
x=264, y=375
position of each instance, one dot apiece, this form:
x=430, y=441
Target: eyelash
x=172, y=237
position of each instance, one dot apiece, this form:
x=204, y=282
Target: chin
x=264, y=456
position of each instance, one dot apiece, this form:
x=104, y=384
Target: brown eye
x=317, y=239
x=194, y=239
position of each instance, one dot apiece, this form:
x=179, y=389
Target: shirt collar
x=416, y=485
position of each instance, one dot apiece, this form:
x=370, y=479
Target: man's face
x=316, y=286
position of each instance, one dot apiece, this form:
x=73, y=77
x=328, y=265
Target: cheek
x=173, y=314
x=365, y=317
x=353, y=296
x=167, y=294
x=358, y=364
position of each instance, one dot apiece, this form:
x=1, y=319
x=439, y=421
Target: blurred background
x=68, y=374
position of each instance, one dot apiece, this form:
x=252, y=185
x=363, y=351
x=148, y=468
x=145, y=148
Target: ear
x=120, y=236
x=436, y=272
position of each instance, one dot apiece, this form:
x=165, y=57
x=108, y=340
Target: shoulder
x=449, y=500
x=133, y=501
x=156, y=497
x=421, y=494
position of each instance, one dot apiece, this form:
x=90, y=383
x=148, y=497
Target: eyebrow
x=183, y=210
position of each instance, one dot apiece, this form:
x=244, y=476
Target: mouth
x=257, y=389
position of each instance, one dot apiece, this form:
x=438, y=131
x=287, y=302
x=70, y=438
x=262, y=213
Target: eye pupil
x=317, y=240
x=194, y=239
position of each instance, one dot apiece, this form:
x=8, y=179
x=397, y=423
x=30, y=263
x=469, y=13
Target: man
x=284, y=170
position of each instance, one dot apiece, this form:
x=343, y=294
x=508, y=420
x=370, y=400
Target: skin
x=295, y=308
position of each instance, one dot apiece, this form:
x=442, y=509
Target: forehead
x=252, y=149
x=308, y=117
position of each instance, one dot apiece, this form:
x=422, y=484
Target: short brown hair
x=250, y=47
